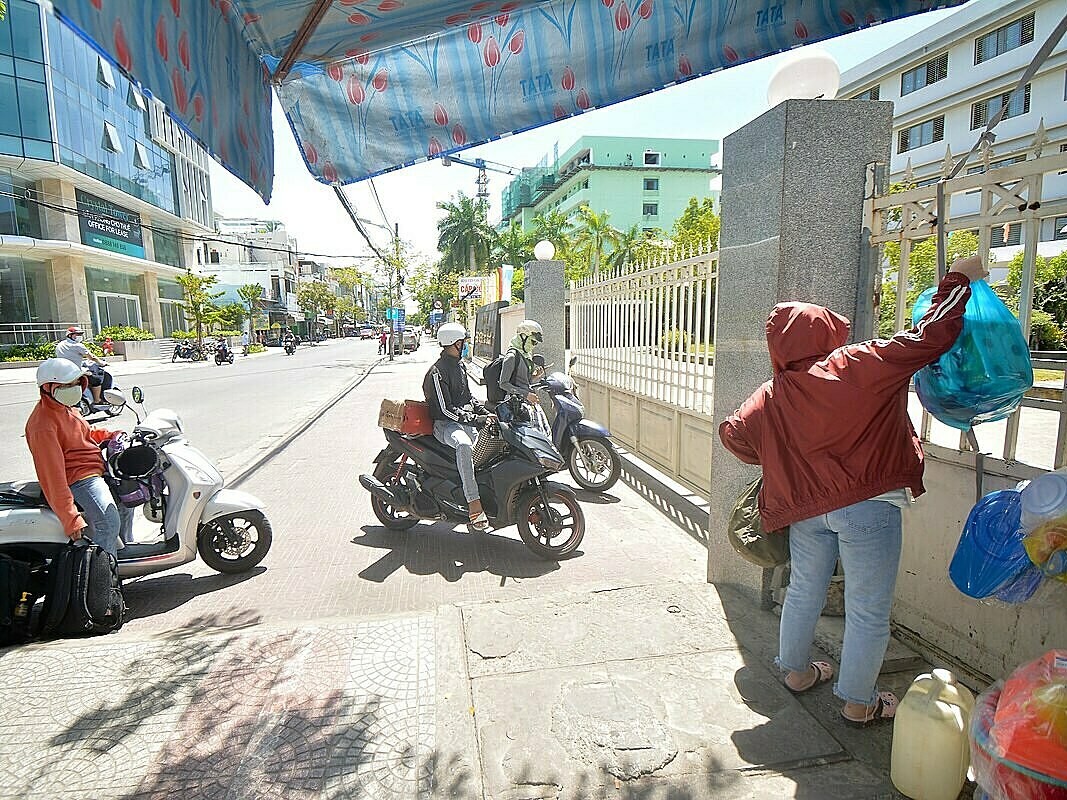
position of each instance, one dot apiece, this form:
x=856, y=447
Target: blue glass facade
x=126, y=157
x=24, y=126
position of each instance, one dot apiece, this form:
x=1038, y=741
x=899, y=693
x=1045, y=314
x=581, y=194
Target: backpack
x=491, y=379
x=84, y=594
x=21, y=583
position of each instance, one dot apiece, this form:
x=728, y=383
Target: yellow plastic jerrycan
x=930, y=750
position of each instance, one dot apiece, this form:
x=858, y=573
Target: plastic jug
x=930, y=747
x=1044, y=498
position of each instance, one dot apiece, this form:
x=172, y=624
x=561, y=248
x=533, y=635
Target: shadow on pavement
x=436, y=549
x=597, y=498
x=147, y=597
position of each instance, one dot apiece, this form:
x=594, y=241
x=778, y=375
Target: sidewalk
x=363, y=663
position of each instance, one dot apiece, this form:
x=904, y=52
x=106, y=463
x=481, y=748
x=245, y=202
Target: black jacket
x=448, y=393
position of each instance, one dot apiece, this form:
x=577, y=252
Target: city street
x=365, y=663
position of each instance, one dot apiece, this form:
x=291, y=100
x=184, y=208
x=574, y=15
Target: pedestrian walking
x=383, y=341
x=244, y=343
x=832, y=433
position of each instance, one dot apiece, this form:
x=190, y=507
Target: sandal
x=824, y=672
x=479, y=522
x=883, y=710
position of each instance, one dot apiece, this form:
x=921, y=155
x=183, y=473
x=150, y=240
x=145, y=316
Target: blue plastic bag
x=990, y=555
x=986, y=373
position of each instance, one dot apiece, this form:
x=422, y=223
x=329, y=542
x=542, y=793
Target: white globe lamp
x=806, y=74
x=544, y=250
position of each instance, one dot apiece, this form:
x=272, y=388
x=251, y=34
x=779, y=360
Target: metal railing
x=650, y=330
x=16, y=333
x=1009, y=195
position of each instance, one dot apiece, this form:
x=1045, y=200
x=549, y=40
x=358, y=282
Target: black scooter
x=415, y=478
x=290, y=346
x=186, y=350
x=223, y=353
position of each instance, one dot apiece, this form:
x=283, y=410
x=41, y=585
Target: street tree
x=1045, y=270
x=513, y=246
x=593, y=235
x=354, y=283
x=250, y=294
x=314, y=298
x=199, y=305
x=698, y=225
x=429, y=284
x=464, y=235
x=230, y=317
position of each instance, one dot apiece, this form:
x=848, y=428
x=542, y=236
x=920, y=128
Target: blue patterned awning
x=374, y=85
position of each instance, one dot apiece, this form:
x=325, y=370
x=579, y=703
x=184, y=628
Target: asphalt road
x=230, y=412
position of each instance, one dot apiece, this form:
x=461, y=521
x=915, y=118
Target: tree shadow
x=440, y=550
x=147, y=597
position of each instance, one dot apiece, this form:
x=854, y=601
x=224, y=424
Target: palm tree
x=465, y=237
x=593, y=233
x=513, y=245
x=625, y=250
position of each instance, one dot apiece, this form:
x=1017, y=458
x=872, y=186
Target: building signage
x=469, y=289
x=108, y=226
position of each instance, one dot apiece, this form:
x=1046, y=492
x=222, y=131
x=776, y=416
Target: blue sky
x=713, y=107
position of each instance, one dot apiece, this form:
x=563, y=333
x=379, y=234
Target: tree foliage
x=250, y=294
x=354, y=283
x=464, y=235
x=199, y=305
x=314, y=298
x=698, y=224
x=230, y=317
x=513, y=246
x=593, y=236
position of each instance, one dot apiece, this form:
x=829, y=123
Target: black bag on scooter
x=21, y=583
x=491, y=379
x=84, y=595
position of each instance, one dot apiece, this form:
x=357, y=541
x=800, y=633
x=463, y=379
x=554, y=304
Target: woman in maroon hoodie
x=832, y=433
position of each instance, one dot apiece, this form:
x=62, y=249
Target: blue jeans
x=106, y=519
x=462, y=438
x=866, y=536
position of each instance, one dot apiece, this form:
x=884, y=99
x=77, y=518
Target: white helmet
x=450, y=333
x=59, y=370
x=531, y=328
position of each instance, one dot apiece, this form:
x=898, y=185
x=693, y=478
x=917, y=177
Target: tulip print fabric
x=382, y=84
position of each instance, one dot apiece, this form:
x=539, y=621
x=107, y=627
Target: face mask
x=466, y=352
x=77, y=338
x=68, y=395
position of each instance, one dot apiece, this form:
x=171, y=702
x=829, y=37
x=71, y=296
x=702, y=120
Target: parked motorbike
x=183, y=493
x=188, y=350
x=592, y=459
x=290, y=347
x=415, y=478
x=86, y=407
x=223, y=353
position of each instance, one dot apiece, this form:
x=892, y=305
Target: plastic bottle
x=1044, y=498
x=930, y=749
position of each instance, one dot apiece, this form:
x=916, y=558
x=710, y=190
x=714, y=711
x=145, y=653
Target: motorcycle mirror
x=137, y=394
x=114, y=397
x=539, y=360
x=573, y=361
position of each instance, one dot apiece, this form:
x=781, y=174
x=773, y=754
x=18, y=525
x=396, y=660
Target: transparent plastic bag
x=986, y=373
x=990, y=556
x=1018, y=733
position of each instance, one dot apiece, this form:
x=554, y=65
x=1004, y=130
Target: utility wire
x=181, y=236
x=347, y=206
x=381, y=208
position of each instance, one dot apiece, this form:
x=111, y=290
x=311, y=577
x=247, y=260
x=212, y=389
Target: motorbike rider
x=67, y=458
x=516, y=370
x=74, y=350
x=456, y=414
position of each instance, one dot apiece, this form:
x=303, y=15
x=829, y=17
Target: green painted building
x=639, y=181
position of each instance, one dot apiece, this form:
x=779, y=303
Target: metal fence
x=644, y=340
x=15, y=333
x=1007, y=196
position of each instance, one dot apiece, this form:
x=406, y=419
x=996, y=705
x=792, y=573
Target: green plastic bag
x=747, y=536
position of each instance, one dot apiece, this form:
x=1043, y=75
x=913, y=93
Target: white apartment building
x=948, y=80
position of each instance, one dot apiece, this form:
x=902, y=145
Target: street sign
x=437, y=305
x=398, y=320
x=470, y=289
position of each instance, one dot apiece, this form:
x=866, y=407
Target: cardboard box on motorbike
x=411, y=417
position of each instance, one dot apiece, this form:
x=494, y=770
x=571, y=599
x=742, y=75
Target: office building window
x=19, y=214
x=1002, y=238
x=134, y=99
x=25, y=127
x=140, y=156
x=1005, y=38
x=111, y=139
x=871, y=94
x=923, y=75
x=651, y=159
x=1059, y=228
x=651, y=184
x=928, y=132
x=104, y=74
x=166, y=248
x=650, y=209
x=985, y=110
x=1063, y=149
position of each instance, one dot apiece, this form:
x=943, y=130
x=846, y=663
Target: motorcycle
x=86, y=406
x=290, y=347
x=181, y=491
x=223, y=353
x=186, y=350
x=592, y=459
x=415, y=478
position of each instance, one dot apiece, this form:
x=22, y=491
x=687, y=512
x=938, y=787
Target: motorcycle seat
x=22, y=493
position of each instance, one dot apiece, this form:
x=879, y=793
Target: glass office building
x=109, y=194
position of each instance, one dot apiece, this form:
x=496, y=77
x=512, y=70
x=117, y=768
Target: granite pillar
x=153, y=315
x=56, y=224
x=72, y=293
x=793, y=188
x=545, y=300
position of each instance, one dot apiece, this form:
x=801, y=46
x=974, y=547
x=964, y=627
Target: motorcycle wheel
x=235, y=543
x=605, y=464
x=218, y=361
x=113, y=411
x=391, y=518
x=554, y=532
x=173, y=356
x=84, y=408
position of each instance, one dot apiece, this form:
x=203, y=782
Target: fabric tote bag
x=746, y=534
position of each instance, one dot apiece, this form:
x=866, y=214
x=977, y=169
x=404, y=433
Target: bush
x=671, y=338
x=39, y=351
x=183, y=335
x=1045, y=334
x=226, y=333
x=256, y=348
x=124, y=333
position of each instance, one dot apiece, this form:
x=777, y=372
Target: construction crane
x=480, y=164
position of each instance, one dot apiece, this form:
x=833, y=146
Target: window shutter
x=938, y=69
x=979, y=111
x=939, y=129
x=1028, y=28
x=875, y=92
x=1026, y=99
x=979, y=50
x=902, y=141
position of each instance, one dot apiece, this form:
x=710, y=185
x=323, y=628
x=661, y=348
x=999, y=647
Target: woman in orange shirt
x=66, y=455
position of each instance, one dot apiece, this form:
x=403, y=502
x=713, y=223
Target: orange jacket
x=65, y=449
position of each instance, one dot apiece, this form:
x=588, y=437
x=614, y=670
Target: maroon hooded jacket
x=831, y=428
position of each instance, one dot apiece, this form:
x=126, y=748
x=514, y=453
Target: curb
x=669, y=501
x=243, y=474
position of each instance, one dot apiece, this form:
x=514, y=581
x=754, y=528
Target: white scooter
x=227, y=527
